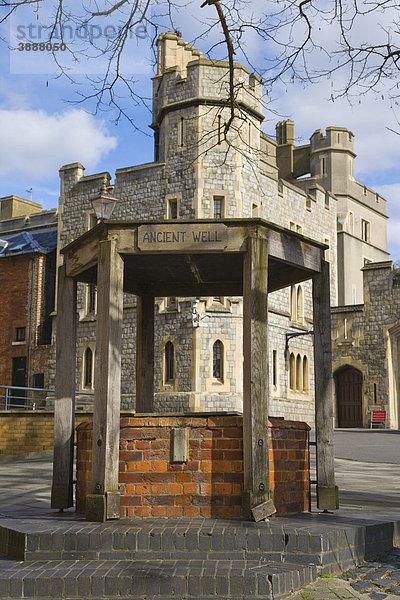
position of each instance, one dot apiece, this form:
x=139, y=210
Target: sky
x=44, y=124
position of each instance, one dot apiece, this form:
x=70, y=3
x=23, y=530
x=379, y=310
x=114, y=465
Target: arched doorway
x=349, y=397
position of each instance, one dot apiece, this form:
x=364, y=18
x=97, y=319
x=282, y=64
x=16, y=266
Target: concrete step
x=164, y=579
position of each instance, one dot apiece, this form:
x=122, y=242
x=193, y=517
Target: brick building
x=28, y=241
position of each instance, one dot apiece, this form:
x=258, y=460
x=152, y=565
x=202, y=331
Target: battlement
x=336, y=138
x=174, y=53
x=186, y=77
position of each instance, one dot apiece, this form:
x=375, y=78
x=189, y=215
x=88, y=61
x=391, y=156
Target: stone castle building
x=198, y=172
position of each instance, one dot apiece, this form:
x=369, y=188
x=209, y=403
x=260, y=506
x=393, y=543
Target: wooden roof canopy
x=193, y=257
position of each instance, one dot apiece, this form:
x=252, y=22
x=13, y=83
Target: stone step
x=164, y=579
x=332, y=544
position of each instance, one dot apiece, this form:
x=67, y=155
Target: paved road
x=366, y=445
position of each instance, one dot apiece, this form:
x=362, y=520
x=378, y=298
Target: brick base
x=210, y=482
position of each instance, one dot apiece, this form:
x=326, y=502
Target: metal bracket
x=289, y=336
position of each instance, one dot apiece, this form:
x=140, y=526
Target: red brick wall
x=15, y=311
x=210, y=483
x=15, y=278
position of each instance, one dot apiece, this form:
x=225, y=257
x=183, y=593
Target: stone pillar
x=104, y=501
x=64, y=409
x=327, y=492
x=145, y=354
x=257, y=496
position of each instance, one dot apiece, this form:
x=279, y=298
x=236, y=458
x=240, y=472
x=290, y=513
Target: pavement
x=372, y=484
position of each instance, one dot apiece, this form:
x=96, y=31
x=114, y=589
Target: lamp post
x=103, y=204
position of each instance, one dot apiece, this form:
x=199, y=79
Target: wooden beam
x=287, y=247
x=327, y=492
x=103, y=502
x=64, y=409
x=185, y=290
x=145, y=354
x=255, y=377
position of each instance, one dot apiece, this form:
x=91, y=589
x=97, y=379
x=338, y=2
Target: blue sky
x=41, y=128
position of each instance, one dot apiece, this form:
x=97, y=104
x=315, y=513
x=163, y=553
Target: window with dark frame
x=173, y=209
x=88, y=365
x=274, y=368
x=169, y=362
x=218, y=205
x=92, y=298
x=20, y=334
x=218, y=360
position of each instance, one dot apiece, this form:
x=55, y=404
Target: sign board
x=182, y=237
x=378, y=416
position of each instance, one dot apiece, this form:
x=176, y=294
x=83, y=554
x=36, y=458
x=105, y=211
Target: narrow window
x=218, y=360
x=219, y=129
x=305, y=374
x=365, y=230
x=172, y=208
x=326, y=252
x=375, y=393
x=182, y=133
x=327, y=200
x=38, y=380
x=323, y=166
x=293, y=313
x=92, y=220
x=254, y=210
x=351, y=222
x=20, y=334
x=274, y=368
x=299, y=229
x=292, y=372
x=365, y=190
x=88, y=367
x=299, y=374
x=292, y=226
x=169, y=361
x=218, y=206
x=300, y=305
x=91, y=299
x=345, y=329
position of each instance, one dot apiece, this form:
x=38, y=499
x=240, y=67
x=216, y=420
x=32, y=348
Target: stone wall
x=210, y=482
x=366, y=337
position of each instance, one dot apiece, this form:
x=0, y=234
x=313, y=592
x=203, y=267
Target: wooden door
x=349, y=397
x=17, y=397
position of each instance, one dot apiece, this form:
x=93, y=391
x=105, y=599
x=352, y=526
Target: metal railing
x=24, y=398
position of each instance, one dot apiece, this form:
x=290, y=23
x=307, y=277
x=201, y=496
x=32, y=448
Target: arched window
x=292, y=372
x=299, y=374
x=169, y=362
x=305, y=374
x=88, y=368
x=293, y=313
x=300, y=305
x=218, y=351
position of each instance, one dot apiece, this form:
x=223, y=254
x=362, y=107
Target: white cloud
x=36, y=144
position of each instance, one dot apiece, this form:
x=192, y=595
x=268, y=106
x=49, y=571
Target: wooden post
x=327, y=492
x=145, y=354
x=104, y=501
x=257, y=496
x=64, y=409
